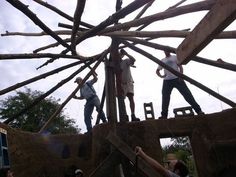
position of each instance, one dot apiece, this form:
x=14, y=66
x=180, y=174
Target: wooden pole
x=24, y=9
x=197, y=84
x=113, y=18
x=73, y=93
x=223, y=65
x=40, y=98
x=195, y=7
x=42, y=76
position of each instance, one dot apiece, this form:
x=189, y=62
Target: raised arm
x=181, y=70
x=132, y=59
x=152, y=162
x=155, y=164
x=159, y=73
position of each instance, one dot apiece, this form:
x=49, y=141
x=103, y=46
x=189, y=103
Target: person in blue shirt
x=88, y=92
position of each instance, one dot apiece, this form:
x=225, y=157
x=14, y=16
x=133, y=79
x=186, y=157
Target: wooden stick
x=200, y=6
x=40, y=98
x=50, y=46
x=112, y=19
x=73, y=93
x=36, y=56
x=225, y=65
x=43, y=33
x=170, y=33
x=197, y=84
x=42, y=76
x=45, y=4
x=24, y=9
x=76, y=22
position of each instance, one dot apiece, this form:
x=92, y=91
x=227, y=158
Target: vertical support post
x=110, y=92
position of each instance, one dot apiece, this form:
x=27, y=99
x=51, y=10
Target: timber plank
x=129, y=153
x=216, y=20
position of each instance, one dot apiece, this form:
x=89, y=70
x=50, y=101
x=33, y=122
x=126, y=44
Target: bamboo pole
x=73, y=93
x=192, y=81
x=24, y=9
x=37, y=100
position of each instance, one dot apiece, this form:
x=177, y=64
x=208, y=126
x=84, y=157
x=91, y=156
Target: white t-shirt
x=171, y=61
x=126, y=73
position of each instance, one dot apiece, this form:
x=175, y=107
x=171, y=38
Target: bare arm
x=95, y=78
x=159, y=73
x=181, y=70
x=132, y=59
x=152, y=162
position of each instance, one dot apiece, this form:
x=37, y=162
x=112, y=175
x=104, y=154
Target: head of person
x=78, y=80
x=167, y=53
x=79, y=173
x=181, y=169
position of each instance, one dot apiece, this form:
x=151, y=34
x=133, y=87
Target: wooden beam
x=217, y=19
x=129, y=153
x=195, y=7
x=24, y=9
x=192, y=81
x=223, y=65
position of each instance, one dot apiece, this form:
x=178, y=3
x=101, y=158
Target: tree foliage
x=37, y=116
x=181, y=147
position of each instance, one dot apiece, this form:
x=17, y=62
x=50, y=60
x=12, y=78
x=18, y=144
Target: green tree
x=38, y=115
x=180, y=146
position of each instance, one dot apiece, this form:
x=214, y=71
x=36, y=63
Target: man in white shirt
x=127, y=82
x=172, y=81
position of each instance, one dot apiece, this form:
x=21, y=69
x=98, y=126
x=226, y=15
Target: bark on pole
x=77, y=16
x=24, y=9
x=222, y=65
x=72, y=94
x=37, y=100
x=200, y=6
x=197, y=84
x=113, y=18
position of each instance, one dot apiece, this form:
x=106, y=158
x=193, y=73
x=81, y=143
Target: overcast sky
x=147, y=85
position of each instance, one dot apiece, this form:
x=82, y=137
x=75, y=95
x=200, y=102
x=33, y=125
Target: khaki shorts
x=127, y=88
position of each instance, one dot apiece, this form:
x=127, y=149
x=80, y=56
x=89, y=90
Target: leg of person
x=166, y=91
x=132, y=106
x=129, y=92
x=101, y=114
x=88, y=110
x=121, y=104
x=184, y=90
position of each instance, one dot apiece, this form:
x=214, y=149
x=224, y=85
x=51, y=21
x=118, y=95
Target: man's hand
x=159, y=74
